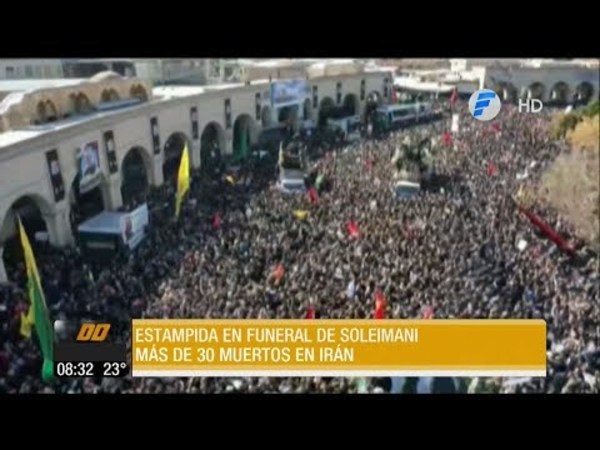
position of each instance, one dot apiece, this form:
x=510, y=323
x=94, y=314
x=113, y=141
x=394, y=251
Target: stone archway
x=374, y=99
x=245, y=133
x=109, y=95
x=136, y=174
x=173, y=149
x=506, y=91
x=212, y=147
x=138, y=91
x=559, y=94
x=584, y=92
x=537, y=91
x=46, y=112
x=33, y=210
x=351, y=104
x=87, y=203
x=326, y=106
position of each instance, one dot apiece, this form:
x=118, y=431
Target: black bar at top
x=101, y=351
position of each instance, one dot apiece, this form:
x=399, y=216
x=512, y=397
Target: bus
x=392, y=117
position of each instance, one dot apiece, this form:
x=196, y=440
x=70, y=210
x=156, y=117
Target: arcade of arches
x=506, y=91
x=212, y=145
x=351, y=104
x=374, y=99
x=536, y=91
x=326, y=108
x=584, y=92
x=86, y=203
x=43, y=225
x=173, y=149
x=245, y=134
x=135, y=176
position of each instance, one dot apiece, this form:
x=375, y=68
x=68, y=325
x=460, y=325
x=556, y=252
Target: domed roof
x=106, y=75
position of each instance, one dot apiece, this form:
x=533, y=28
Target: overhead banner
x=289, y=92
x=133, y=226
x=56, y=178
x=88, y=163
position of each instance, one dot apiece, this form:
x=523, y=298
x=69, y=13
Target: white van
x=291, y=181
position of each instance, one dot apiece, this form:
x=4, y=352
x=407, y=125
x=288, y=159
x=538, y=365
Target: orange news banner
x=191, y=347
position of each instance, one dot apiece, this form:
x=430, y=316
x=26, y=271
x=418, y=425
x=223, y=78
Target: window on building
x=48, y=73
x=28, y=72
x=37, y=72
x=10, y=72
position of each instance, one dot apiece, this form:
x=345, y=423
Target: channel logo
x=484, y=104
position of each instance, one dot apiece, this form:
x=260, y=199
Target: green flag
x=38, y=309
x=243, y=150
x=319, y=181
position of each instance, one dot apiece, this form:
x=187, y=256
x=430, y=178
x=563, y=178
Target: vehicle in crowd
x=292, y=156
x=406, y=189
x=271, y=137
x=349, y=127
x=394, y=117
x=407, y=184
x=110, y=233
x=292, y=181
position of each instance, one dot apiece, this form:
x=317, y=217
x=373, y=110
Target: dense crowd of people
x=458, y=251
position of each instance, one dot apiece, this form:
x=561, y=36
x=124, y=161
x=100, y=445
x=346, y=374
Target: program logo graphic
x=484, y=104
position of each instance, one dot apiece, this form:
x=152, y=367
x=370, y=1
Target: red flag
x=310, y=313
x=278, y=272
x=428, y=313
x=216, y=222
x=549, y=232
x=313, y=195
x=454, y=96
x=491, y=169
x=496, y=127
x=447, y=138
x=353, y=230
x=379, y=304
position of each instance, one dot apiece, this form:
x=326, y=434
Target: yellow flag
x=230, y=180
x=183, y=180
x=27, y=322
x=301, y=214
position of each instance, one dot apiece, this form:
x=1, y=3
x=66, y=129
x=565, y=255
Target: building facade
x=41, y=164
x=15, y=69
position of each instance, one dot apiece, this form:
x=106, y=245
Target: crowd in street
x=461, y=251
